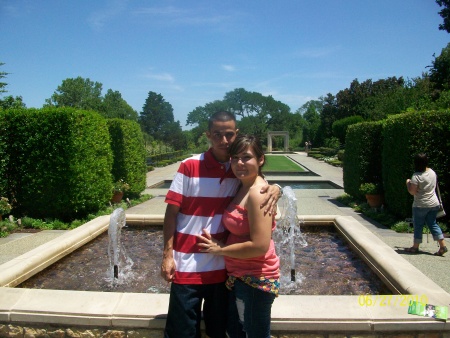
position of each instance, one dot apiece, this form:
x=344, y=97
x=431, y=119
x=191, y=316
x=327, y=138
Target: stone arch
x=270, y=134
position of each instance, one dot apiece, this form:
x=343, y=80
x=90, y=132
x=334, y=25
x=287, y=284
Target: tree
x=12, y=102
x=258, y=113
x=114, y=106
x=445, y=14
x=310, y=112
x=3, y=84
x=440, y=70
x=327, y=116
x=156, y=119
x=79, y=93
x=9, y=101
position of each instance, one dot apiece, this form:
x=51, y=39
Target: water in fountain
x=120, y=264
x=326, y=266
x=287, y=237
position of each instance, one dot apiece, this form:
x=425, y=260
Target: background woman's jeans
x=249, y=312
x=422, y=216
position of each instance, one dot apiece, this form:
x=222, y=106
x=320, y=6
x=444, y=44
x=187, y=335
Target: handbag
x=441, y=213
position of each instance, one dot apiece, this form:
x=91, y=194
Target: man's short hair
x=221, y=116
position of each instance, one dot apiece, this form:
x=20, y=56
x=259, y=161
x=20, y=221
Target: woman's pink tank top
x=235, y=221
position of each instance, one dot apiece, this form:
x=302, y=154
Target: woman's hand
x=208, y=244
x=412, y=188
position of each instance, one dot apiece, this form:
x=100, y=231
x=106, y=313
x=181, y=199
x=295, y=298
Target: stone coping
x=289, y=313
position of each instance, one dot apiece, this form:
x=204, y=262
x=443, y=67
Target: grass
x=280, y=163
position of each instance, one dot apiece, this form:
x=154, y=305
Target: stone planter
x=375, y=201
x=117, y=197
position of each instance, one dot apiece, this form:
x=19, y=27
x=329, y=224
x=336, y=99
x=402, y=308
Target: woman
x=422, y=186
x=250, y=259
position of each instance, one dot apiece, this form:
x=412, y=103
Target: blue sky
x=193, y=52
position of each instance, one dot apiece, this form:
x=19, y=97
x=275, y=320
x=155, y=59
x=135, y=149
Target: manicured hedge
x=384, y=151
x=339, y=127
x=362, y=161
x=127, y=144
x=56, y=162
x=404, y=136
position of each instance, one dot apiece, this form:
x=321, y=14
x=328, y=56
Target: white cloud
x=163, y=77
x=229, y=68
x=98, y=19
x=317, y=52
x=191, y=16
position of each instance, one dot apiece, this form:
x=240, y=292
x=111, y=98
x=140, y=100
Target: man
x=202, y=188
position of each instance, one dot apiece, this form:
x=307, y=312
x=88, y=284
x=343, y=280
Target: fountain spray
x=288, y=231
x=117, y=221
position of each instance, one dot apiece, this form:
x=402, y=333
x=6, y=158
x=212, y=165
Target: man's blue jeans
x=422, y=216
x=184, y=315
x=249, y=312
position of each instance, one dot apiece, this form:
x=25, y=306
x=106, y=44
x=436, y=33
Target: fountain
x=83, y=270
x=116, y=252
x=144, y=313
x=288, y=232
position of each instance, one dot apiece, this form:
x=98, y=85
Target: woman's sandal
x=412, y=250
x=441, y=251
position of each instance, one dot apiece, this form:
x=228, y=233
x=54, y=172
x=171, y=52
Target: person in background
x=202, y=188
x=250, y=258
x=422, y=186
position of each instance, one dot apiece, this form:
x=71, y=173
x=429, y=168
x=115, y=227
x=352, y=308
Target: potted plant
x=5, y=207
x=118, y=190
x=373, y=193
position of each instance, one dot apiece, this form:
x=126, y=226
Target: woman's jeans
x=422, y=216
x=249, y=312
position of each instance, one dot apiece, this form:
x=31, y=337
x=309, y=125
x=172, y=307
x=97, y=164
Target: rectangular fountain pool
x=291, y=314
x=327, y=266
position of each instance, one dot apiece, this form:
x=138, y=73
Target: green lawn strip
x=280, y=163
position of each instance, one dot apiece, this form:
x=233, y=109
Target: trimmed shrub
x=404, y=136
x=57, y=162
x=339, y=127
x=127, y=144
x=362, y=164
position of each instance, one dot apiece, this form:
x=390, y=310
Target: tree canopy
x=157, y=120
x=78, y=93
x=86, y=94
x=8, y=101
x=445, y=14
x=114, y=106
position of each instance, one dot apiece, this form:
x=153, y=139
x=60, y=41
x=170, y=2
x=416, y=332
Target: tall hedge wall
x=56, y=162
x=404, y=136
x=127, y=144
x=362, y=158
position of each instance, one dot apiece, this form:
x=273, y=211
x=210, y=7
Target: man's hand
x=273, y=194
x=168, y=268
x=169, y=228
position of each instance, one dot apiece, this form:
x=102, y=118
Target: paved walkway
x=309, y=202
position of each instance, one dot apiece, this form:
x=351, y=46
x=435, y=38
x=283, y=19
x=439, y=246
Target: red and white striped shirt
x=202, y=188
